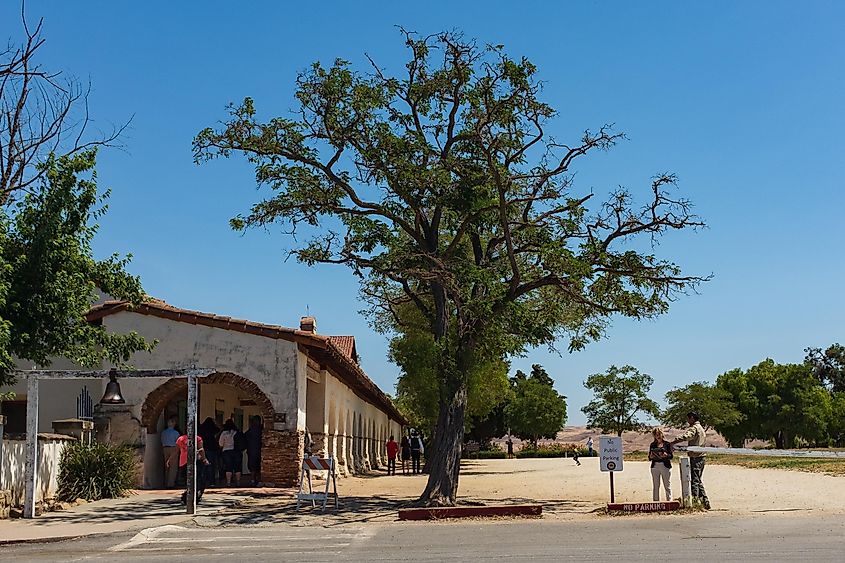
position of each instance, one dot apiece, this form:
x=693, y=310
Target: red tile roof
x=337, y=352
x=345, y=344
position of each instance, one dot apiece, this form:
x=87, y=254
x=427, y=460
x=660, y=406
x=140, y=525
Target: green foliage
x=535, y=410
x=439, y=188
x=49, y=278
x=828, y=366
x=96, y=471
x=620, y=395
x=779, y=402
x=552, y=450
x=489, y=454
x=713, y=405
x=414, y=350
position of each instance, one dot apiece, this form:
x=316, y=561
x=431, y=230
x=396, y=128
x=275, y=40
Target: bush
x=489, y=454
x=553, y=450
x=96, y=471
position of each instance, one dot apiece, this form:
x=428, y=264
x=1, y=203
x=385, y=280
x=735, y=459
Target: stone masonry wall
x=281, y=456
x=5, y=503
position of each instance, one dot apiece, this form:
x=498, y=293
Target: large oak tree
x=440, y=187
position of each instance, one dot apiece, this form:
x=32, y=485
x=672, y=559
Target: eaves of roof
x=329, y=353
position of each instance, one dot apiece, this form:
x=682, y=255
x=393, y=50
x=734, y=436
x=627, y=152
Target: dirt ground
x=565, y=490
x=568, y=489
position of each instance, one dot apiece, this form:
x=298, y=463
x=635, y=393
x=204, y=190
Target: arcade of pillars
x=357, y=443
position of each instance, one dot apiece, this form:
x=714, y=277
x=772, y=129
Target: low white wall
x=14, y=459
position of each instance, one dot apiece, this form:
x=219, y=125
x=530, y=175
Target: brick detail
x=167, y=391
x=281, y=456
x=321, y=444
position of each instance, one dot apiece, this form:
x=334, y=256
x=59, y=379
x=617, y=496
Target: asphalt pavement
x=708, y=537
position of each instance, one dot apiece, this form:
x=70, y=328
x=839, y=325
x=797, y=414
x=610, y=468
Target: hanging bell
x=112, y=396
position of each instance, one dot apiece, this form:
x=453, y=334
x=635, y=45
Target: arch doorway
x=221, y=396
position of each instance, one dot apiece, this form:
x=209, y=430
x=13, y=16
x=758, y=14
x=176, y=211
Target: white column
x=686, y=494
x=31, y=470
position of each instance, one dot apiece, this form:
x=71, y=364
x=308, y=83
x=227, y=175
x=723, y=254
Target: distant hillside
x=631, y=441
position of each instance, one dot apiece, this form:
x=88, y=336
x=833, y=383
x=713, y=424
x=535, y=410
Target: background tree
x=828, y=366
x=535, y=409
x=713, y=405
x=439, y=187
x=779, y=402
x=417, y=394
x=42, y=112
x=48, y=207
x=620, y=395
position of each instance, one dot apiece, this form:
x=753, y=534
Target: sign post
x=610, y=458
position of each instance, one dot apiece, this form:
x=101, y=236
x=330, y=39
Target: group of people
x=411, y=449
x=219, y=452
x=660, y=453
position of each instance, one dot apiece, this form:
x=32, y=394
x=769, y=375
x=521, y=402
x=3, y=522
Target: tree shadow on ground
x=138, y=508
x=265, y=510
x=260, y=510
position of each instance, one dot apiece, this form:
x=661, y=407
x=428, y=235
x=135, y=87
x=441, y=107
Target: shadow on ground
x=265, y=510
x=136, y=508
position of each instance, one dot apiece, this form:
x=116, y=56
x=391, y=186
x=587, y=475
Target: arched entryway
x=221, y=396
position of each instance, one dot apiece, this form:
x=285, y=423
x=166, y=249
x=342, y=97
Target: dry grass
x=811, y=465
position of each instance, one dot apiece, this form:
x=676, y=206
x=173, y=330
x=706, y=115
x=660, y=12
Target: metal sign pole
x=191, y=500
x=612, y=493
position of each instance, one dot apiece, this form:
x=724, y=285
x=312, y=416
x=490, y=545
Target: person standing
x=202, y=463
x=171, y=453
x=405, y=453
x=660, y=455
x=232, y=459
x=590, y=446
x=417, y=449
x=694, y=436
x=392, y=449
x=208, y=432
x=509, y=443
x=253, y=449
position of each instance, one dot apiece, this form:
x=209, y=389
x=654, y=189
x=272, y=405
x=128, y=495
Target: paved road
x=765, y=537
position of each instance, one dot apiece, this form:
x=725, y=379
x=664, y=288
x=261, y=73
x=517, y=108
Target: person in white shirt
x=171, y=453
x=232, y=457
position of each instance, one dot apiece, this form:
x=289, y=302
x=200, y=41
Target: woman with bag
x=660, y=455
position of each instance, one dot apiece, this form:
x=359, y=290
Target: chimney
x=308, y=324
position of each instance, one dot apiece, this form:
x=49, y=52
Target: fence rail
x=822, y=454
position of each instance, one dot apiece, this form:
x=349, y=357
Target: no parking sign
x=610, y=458
x=610, y=453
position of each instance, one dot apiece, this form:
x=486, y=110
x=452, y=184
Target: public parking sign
x=610, y=453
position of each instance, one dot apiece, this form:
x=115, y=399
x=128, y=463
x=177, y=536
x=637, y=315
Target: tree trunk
x=444, y=459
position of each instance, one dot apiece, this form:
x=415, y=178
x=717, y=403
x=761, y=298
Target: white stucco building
x=295, y=379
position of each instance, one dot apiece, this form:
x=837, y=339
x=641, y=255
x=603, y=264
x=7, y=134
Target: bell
x=112, y=396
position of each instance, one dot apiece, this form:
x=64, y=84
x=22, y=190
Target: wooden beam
x=191, y=500
x=34, y=376
x=101, y=374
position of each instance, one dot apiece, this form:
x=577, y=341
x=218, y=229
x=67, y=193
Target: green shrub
x=553, y=450
x=96, y=471
x=488, y=454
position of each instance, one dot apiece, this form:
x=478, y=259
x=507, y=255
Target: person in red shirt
x=392, y=450
x=199, y=474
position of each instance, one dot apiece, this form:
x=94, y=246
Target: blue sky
x=743, y=101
